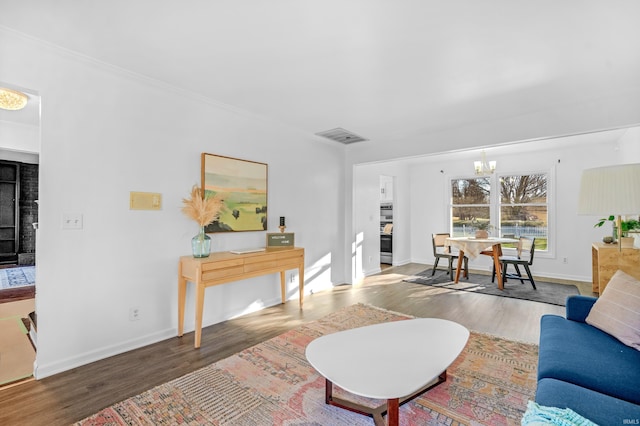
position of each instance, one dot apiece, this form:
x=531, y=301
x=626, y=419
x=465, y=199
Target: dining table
x=473, y=247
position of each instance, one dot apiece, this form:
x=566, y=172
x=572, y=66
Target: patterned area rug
x=17, y=277
x=552, y=293
x=273, y=384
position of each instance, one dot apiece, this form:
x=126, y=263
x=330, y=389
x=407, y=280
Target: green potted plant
x=614, y=234
x=626, y=226
x=482, y=228
x=629, y=226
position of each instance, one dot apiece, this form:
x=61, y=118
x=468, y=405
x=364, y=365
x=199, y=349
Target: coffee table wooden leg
x=329, y=399
x=393, y=412
x=391, y=408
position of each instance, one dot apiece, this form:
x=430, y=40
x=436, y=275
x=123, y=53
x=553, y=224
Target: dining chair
x=524, y=257
x=442, y=251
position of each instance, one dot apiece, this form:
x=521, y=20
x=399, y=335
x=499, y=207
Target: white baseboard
x=46, y=370
x=401, y=262
x=372, y=271
x=42, y=371
x=580, y=278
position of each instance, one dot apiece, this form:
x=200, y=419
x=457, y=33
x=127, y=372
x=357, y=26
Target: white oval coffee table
x=396, y=361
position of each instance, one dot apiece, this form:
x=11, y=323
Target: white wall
x=19, y=137
x=105, y=132
x=425, y=187
x=629, y=146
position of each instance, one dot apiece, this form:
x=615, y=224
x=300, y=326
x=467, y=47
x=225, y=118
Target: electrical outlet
x=72, y=221
x=565, y=260
x=291, y=278
x=134, y=314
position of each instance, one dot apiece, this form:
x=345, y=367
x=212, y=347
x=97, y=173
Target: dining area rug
x=552, y=293
x=273, y=384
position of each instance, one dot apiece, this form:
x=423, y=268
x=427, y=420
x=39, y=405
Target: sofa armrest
x=578, y=307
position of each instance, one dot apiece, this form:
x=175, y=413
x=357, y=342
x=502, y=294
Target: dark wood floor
x=70, y=396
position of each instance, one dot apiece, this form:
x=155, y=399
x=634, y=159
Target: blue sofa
x=587, y=370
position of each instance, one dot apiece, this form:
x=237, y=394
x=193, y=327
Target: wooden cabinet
x=224, y=267
x=607, y=259
x=9, y=201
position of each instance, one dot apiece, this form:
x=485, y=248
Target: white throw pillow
x=617, y=310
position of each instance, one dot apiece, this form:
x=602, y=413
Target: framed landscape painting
x=242, y=185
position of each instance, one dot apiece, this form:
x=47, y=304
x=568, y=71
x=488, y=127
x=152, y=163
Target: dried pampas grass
x=203, y=210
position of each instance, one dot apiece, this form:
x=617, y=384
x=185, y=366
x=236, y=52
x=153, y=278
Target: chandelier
x=484, y=167
x=12, y=100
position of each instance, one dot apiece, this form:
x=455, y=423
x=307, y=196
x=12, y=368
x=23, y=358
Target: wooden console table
x=224, y=267
x=607, y=259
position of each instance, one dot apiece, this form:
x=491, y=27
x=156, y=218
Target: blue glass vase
x=201, y=244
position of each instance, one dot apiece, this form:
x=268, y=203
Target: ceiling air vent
x=341, y=135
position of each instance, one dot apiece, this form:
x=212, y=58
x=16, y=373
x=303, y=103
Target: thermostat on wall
x=145, y=201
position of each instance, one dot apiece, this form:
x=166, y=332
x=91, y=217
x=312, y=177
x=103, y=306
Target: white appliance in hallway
x=386, y=233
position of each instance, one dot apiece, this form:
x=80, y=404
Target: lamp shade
x=612, y=190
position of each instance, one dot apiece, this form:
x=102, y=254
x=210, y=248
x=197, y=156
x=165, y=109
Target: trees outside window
x=520, y=209
x=471, y=202
x=524, y=209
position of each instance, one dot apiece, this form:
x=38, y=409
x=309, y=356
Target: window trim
x=494, y=204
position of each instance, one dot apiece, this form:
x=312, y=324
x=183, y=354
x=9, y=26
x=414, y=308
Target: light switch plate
x=72, y=221
x=145, y=201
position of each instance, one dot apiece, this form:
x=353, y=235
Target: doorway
x=19, y=188
x=386, y=220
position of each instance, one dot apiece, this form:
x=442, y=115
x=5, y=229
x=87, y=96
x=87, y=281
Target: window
x=471, y=202
x=523, y=207
x=519, y=209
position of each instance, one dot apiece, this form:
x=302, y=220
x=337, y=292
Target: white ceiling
x=381, y=69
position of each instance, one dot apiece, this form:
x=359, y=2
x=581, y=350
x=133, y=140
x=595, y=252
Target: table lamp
x=611, y=190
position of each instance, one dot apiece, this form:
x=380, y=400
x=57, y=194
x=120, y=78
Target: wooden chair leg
x=519, y=273
x=504, y=267
x=526, y=267
x=435, y=265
